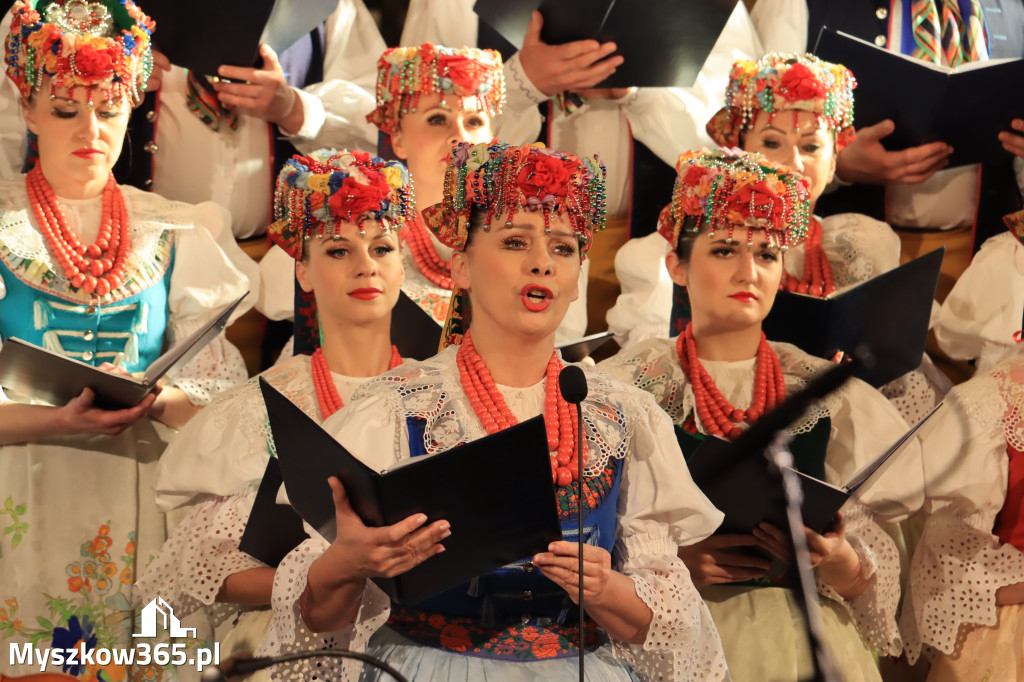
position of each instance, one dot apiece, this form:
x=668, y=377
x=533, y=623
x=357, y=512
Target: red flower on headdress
x=465, y=74
x=693, y=175
x=355, y=198
x=94, y=64
x=799, y=83
x=544, y=176
x=759, y=202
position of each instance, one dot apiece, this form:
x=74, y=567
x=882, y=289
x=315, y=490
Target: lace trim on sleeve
x=954, y=576
x=287, y=632
x=203, y=551
x=858, y=247
x=214, y=369
x=682, y=642
x=874, y=610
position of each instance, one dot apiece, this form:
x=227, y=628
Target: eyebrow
x=807, y=134
x=524, y=226
x=763, y=245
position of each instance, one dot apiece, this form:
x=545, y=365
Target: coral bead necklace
x=326, y=392
x=718, y=416
x=433, y=267
x=98, y=268
x=490, y=407
x=818, y=279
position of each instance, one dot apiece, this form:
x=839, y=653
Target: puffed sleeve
x=277, y=295
x=203, y=281
x=958, y=564
x=334, y=110
x=980, y=315
x=863, y=425
x=643, y=308
x=781, y=24
x=660, y=508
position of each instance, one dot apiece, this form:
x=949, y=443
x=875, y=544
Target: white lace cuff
x=955, y=574
x=682, y=642
x=194, y=562
x=874, y=610
x=288, y=633
x=216, y=368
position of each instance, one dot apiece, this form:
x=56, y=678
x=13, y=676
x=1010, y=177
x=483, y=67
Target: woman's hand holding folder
x=335, y=582
x=710, y=562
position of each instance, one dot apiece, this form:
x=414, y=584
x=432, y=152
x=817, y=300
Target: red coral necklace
x=433, y=267
x=818, y=279
x=718, y=416
x=99, y=267
x=326, y=391
x=490, y=407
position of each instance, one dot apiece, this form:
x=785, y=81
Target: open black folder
x=56, y=379
x=665, y=42
x=574, y=351
x=496, y=492
x=889, y=314
x=230, y=31
x=748, y=492
x=966, y=107
x=413, y=331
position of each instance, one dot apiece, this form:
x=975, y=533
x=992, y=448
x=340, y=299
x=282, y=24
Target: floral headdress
x=79, y=43
x=502, y=180
x=405, y=73
x=781, y=81
x=727, y=189
x=315, y=193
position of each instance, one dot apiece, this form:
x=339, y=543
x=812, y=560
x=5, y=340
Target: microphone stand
x=579, y=519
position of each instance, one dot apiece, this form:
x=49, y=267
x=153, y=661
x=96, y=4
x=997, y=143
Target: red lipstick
x=87, y=152
x=536, y=298
x=744, y=297
x=365, y=294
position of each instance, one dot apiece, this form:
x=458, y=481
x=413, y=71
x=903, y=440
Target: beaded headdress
x=727, y=189
x=315, y=193
x=501, y=180
x=782, y=81
x=405, y=73
x=79, y=43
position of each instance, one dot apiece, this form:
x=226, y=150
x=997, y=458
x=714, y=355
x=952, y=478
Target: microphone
x=237, y=667
x=572, y=382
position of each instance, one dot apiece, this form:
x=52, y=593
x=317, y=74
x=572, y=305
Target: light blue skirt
x=426, y=664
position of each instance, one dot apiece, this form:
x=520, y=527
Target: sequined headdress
x=405, y=73
x=315, y=193
x=502, y=180
x=782, y=81
x=79, y=43
x=726, y=189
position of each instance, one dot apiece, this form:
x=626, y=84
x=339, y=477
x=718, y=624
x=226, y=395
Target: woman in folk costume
x=797, y=111
x=338, y=214
x=520, y=220
x=100, y=274
x=731, y=216
x=966, y=596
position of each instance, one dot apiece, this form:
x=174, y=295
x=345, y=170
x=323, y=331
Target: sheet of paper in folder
x=496, y=492
x=230, y=31
x=966, y=107
x=665, y=42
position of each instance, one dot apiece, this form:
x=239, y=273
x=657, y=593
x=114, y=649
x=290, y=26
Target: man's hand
x=264, y=92
x=865, y=160
x=570, y=67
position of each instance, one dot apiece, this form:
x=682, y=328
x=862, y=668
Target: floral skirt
x=419, y=662
x=763, y=636
x=77, y=519
x=986, y=654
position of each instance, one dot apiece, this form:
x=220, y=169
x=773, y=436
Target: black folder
x=888, y=314
x=574, y=351
x=413, y=331
x=56, y=379
x=748, y=491
x=496, y=492
x=273, y=529
x=966, y=107
x=203, y=35
x=665, y=42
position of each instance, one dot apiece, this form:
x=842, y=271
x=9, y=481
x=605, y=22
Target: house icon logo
x=160, y=610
